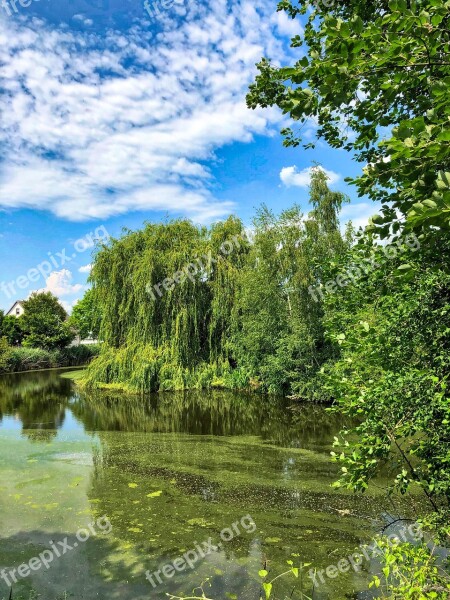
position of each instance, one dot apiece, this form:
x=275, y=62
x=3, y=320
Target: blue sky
x=112, y=116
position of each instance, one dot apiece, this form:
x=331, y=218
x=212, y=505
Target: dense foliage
x=15, y=359
x=86, y=317
x=375, y=77
x=371, y=71
x=40, y=338
x=178, y=332
x=47, y=324
x=278, y=333
x=392, y=361
x=190, y=307
x=391, y=332
x=11, y=330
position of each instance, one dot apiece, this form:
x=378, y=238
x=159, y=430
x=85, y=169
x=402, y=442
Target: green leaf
x=268, y=589
x=443, y=180
x=444, y=136
x=154, y=494
x=430, y=203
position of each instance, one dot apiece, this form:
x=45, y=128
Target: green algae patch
x=74, y=375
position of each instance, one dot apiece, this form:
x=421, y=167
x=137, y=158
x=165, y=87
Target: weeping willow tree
x=166, y=294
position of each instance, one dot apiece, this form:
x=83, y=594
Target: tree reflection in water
x=38, y=400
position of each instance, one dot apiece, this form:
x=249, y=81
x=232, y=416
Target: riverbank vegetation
x=43, y=325
x=375, y=77
x=16, y=359
x=40, y=338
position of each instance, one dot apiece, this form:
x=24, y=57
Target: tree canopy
x=44, y=322
x=278, y=332
x=184, y=306
x=86, y=316
x=10, y=329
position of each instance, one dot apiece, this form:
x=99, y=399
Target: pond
x=133, y=493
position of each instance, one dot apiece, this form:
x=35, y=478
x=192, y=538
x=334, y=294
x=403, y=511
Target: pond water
x=173, y=474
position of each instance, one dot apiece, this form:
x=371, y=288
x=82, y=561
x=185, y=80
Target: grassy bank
x=14, y=360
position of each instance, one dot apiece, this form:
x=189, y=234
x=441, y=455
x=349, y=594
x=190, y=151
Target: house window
x=17, y=311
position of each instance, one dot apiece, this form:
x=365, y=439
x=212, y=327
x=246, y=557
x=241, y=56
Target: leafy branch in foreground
x=411, y=573
x=375, y=76
x=392, y=377
x=391, y=331
x=267, y=585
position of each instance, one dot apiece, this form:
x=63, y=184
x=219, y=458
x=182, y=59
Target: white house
x=86, y=342
x=16, y=309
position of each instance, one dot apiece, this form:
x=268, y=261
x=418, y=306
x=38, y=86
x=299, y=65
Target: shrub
x=4, y=352
x=13, y=360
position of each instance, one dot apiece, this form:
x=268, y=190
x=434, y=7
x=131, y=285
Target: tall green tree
x=44, y=322
x=375, y=76
x=279, y=336
x=86, y=316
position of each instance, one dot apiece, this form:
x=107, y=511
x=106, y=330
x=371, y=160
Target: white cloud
x=291, y=176
x=68, y=306
x=60, y=283
x=286, y=25
x=87, y=22
x=94, y=126
x=359, y=214
x=85, y=269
